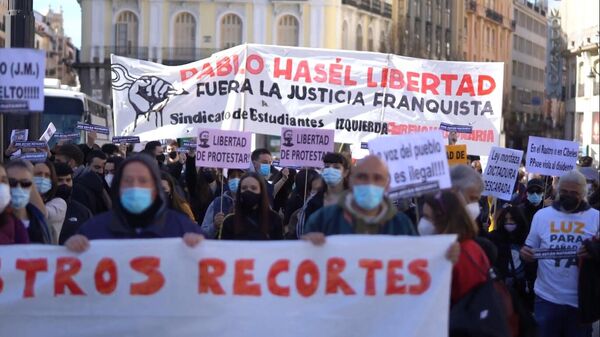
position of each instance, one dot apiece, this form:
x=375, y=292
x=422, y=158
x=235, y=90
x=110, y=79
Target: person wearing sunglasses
x=46, y=182
x=12, y=230
x=27, y=202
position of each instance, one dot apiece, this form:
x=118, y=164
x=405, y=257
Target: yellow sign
x=457, y=154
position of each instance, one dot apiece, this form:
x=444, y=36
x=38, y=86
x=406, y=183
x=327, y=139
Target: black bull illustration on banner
x=147, y=94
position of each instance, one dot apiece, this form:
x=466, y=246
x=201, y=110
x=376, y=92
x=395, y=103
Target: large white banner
x=261, y=89
x=352, y=286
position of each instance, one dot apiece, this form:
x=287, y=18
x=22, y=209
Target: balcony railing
x=493, y=15
x=127, y=51
x=173, y=56
x=375, y=6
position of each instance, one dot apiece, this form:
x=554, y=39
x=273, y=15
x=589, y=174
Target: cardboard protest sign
x=20, y=135
x=35, y=157
x=264, y=88
x=126, y=140
x=305, y=147
x=164, y=288
x=92, y=128
x=501, y=172
x=456, y=128
x=417, y=162
x=22, y=73
x=50, y=131
x=223, y=149
x=552, y=157
x=456, y=154
x=67, y=135
x=31, y=144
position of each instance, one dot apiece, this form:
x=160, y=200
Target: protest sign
x=552, y=157
x=554, y=253
x=67, y=135
x=35, y=157
x=164, y=288
x=223, y=149
x=501, y=172
x=263, y=88
x=20, y=135
x=31, y=144
x=50, y=131
x=417, y=162
x=456, y=154
x=126, y=140
x=456, y=128
x=305, y=147
x=22, y=73
x=92, y=128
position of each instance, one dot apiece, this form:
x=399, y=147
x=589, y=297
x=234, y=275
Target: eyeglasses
x=24, y=183
x=535, y=191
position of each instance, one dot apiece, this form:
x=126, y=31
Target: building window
x=580, y=80
x=382, y=44
x=359, y=38
x=184, y=30
x=126, y=33
x=417, y=8
x=579, y=127
x=288, y=31
x=596, y=81
x=345, y=35
x=231, y=31
x=370, y=42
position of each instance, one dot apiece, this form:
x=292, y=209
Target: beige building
x=429, y=29
x=489, y=27
x=50, y=36
x=580, y=24
x=176, y=32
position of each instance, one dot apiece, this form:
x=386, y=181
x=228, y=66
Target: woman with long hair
x=12, y=229
x=253, y=218
x=444, y=213
x=174, y=200
x=46, y=182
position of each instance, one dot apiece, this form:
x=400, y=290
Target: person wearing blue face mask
x=139, y=209
x=26, y=202
x=220, y=207
x=534, y=201
x=364, y=209
x=44, y=177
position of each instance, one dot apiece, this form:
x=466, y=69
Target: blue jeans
x=557, y=320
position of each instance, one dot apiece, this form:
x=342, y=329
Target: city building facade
x=177, y=32
x=50, y=36
x=488, y=27
x=430, y=29
x=528, y=74
x=580, y=24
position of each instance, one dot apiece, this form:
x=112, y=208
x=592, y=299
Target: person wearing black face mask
x=175, y=160
x=253, y=218
x=77, y=213
x=564, y=227
x=509, y=237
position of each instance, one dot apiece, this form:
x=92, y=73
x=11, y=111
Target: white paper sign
x=22, y=73
x=417, y=162
x=160, y=287
x=552, y=157
x=501, y=172
x=303, y=147
x=223, y=149
x=50, y=131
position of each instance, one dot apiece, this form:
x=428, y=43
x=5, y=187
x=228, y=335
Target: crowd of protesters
x=86, y=192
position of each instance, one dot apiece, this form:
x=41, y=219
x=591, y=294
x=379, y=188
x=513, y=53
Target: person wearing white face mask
x=44, y=177
x=469, y=184
x=26, y=202
x=12, y=230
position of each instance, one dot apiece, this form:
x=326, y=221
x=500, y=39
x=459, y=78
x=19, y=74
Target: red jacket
x=465, y=274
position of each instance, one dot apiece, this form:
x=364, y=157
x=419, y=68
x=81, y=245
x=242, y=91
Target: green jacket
x=337, y=219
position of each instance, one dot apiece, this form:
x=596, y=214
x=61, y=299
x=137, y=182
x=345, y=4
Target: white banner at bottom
x=351, y=286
